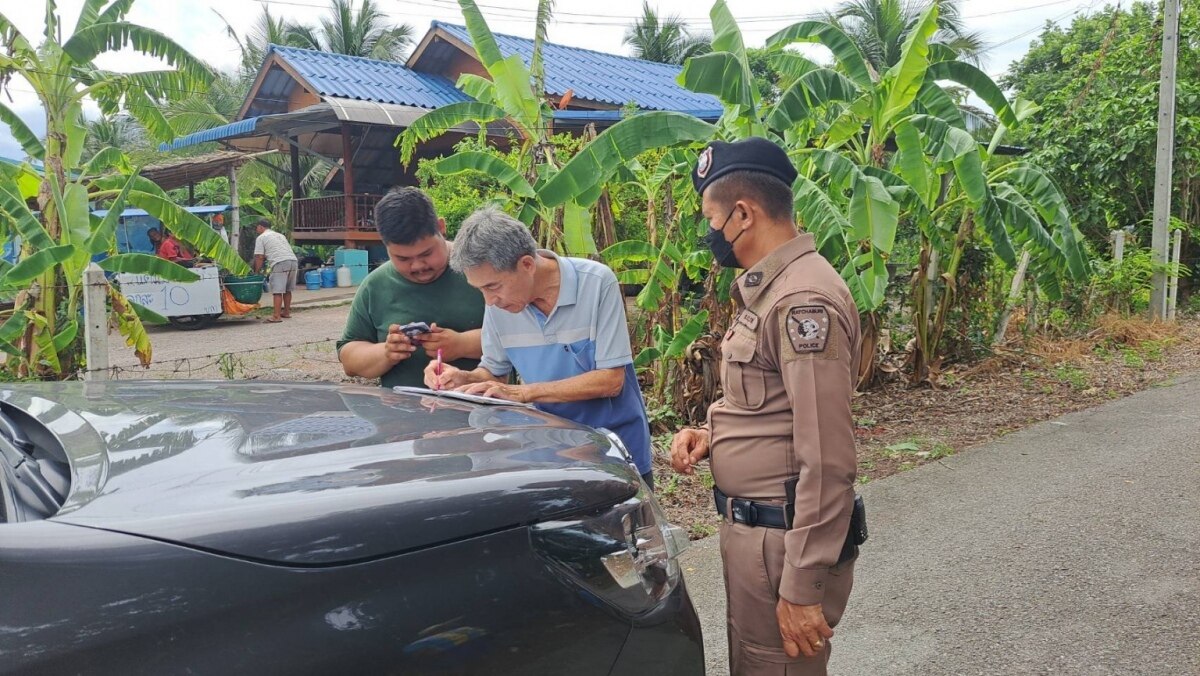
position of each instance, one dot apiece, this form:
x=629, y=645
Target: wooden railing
x=323, y=214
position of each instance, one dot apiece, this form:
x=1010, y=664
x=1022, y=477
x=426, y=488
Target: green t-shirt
x=386, y=298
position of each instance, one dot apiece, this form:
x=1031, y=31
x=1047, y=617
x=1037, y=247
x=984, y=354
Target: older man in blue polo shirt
x=560, y=322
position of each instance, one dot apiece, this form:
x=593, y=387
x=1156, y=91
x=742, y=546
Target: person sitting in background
x=417, y=285
x=560, y=322
x=169, y=248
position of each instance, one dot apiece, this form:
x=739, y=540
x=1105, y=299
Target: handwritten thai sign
x=175, y=299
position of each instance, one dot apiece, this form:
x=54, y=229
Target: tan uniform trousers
x=753, y=563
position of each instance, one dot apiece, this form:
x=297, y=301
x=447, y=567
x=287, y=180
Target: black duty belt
x=751, y=513
x=775, y=515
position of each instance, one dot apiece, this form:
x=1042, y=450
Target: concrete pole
x=1176, y=250
x=1164, y=158
x=235, y=219
x=1118, y=245
x=95, y=323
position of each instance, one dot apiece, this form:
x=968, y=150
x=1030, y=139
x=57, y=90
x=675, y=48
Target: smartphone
x=414, y=329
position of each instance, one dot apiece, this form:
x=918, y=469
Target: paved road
x=1071, y=547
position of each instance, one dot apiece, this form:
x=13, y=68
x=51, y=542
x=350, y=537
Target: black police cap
x=752, y=154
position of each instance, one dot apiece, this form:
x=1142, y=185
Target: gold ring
x=820, y=643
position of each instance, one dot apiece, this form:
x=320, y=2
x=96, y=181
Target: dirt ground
x=899, y=427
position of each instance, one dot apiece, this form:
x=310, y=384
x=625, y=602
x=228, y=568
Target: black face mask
x=721, y=248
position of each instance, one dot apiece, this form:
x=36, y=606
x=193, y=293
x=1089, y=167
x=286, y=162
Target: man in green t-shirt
x=417, y=286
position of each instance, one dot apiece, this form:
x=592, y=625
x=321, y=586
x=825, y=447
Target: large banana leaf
x=577, y=230
x=1050, y=203
x=620, y=143
x=76, y=220
x=24, y=222
x=792, y=66
x=22, y=133
x=487, y=163
x=822, y=218
x=987, y=213
x=10, y=331
x=663, y=276
x=721, y=74
x=812, y=90
x=108, y=158
x=515, y=96
x=102, y=237
x=910, y=162
x=944, y=142
x=148, y=115
x=687, y=334
x=844, y=49
x=727, y=37
x=978, y=82
x=438, y=122
x=1026, y=227
x=38, y=262
x=629, y=251
x=481, y=36
x=874, y=215
x=92, y=41
x=89, y=13
x=903, y=80
x=479, y=88
x=842, y=172
x=934, y=101
x=146, y=264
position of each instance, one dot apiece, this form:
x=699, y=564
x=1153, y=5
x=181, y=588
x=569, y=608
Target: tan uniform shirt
x=788, y=367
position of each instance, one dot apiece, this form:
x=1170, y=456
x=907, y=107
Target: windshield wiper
x=17, y=451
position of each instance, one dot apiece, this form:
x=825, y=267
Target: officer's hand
x=688, y=447
x=803, y=628
x=397, y=347
x=446, y=339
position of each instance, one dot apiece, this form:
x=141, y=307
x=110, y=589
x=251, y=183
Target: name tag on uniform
x=748, y=319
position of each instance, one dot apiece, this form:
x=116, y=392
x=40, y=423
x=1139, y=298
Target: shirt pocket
x=584, y=353
x=745, y=383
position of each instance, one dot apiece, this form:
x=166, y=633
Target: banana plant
x=552, y=197
x=62, y=72
x=50, y=345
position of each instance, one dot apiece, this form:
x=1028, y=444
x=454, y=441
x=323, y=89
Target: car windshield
x=36, y=476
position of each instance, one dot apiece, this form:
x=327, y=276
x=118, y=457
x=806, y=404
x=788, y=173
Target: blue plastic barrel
x=312, y=280
x=328, y=278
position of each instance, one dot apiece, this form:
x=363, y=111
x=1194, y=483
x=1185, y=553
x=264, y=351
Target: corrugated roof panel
x=214, y=134
x=596, y=76
x=353, y=77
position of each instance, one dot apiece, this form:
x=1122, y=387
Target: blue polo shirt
x=586, y=331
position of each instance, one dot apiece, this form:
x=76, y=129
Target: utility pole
x=1164, y=158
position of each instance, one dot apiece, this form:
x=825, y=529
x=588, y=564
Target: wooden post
x=1119, y=245
x=1173, y=295
x=95, y=326
x=348, y=183
x=191, y=194
x=1014, y=297
x=235, y=217
x=297, y=189
x=1164, y=155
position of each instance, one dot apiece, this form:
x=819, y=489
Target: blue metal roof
x=597, y=76
x=205, y=210
x=353, y=77
x=213, y=134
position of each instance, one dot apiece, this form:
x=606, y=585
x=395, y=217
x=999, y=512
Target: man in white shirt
x=274, y=248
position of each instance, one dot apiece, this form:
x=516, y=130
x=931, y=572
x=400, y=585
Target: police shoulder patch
x=808, y=328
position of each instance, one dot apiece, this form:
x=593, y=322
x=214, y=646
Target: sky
x=1008, y=26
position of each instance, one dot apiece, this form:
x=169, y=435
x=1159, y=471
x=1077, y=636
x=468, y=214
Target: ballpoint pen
x=439, y=370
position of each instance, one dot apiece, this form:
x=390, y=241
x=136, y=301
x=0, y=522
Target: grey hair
x=491, y=236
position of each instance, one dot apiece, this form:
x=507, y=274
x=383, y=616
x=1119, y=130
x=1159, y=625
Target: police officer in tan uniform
x=781, y=439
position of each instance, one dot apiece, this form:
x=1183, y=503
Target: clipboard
x=460, y=396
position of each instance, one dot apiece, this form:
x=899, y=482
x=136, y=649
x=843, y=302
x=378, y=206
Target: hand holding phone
x=398, y=346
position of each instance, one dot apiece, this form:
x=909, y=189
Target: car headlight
x=625, y=556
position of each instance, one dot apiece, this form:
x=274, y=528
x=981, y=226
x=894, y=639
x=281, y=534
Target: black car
x=268, y=528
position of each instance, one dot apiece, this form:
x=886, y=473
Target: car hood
x=311, y=475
